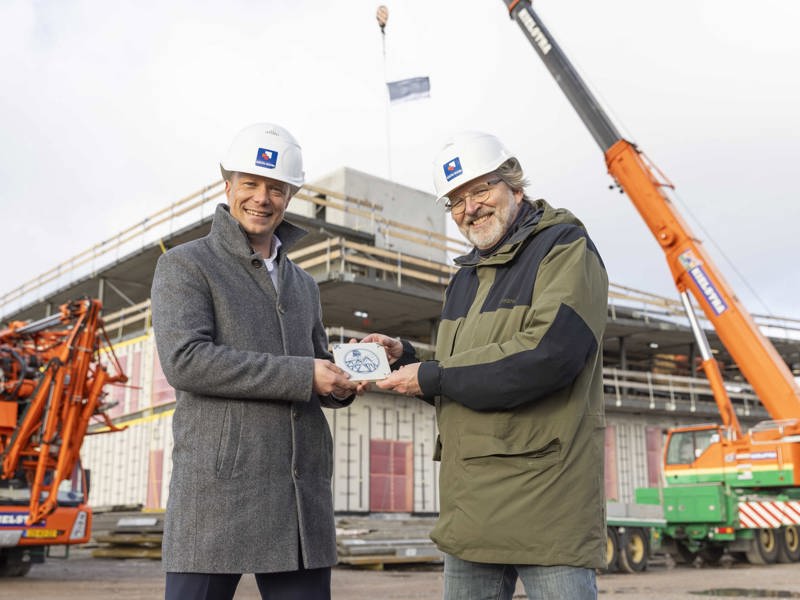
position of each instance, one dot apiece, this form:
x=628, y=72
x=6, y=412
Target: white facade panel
x=351, y=457
x=166, y=435
x=426, y=470
x=631, y=457
x=398, y=203
x=632, y=453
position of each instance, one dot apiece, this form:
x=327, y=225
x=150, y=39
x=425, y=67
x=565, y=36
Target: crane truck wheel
x=634, y=550
x=763, y=547
x=789, y=544
x=612, y=550
x=14, y=562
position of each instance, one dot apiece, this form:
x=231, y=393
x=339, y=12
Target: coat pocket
x=484, y=446
x=493, y=464
x=229, y=437
x=496, y=488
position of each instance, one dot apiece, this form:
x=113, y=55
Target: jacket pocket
x=327, y=451
x=496, y=488
x=230, y=434
x=492, y=461
x=484, y=446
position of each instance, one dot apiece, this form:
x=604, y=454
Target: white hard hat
x=268, y=150
x=464, y=157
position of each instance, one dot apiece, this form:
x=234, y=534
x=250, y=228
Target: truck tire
x=789, y=544
x=763, y=547
x=612, y=550
x=14, y=562
x=634, y=550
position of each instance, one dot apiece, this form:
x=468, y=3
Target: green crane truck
x=725, y=489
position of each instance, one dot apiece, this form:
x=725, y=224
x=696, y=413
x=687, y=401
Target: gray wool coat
x=252, y=459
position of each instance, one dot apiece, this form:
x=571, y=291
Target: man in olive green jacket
x=517, y=385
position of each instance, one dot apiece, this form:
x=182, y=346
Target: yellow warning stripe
x=138, y=421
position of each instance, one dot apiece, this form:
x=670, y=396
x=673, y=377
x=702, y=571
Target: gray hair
x=512, y=175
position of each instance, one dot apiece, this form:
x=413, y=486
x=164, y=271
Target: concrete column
x=623, y=355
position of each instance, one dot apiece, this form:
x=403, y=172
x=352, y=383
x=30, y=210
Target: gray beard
x=488, y=237
x=499, y=223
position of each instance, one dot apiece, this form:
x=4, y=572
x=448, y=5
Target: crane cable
x=625, y=132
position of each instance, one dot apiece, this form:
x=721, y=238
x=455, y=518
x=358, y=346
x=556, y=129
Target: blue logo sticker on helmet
x=452, y=168
x=266, y=158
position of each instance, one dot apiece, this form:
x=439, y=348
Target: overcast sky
x=111, y=111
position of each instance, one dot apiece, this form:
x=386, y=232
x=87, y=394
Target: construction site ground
x=82, y=576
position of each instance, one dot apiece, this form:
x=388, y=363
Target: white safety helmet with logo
x=268, y=150
x=464, y=157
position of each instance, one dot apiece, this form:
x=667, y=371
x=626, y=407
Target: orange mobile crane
x=51, y=386
x=725, y=488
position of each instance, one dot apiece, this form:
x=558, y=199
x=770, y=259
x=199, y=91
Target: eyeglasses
x=479, y=194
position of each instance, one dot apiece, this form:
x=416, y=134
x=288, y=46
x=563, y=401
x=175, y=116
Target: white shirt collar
x=270, y=260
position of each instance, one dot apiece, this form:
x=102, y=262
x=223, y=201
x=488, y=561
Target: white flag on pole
x=409, y=89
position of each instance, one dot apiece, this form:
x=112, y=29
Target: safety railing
x=652, y=306
x=645, y=390
x=345, y=256
x=194, y=208
x=121, y=323
x=125, y=240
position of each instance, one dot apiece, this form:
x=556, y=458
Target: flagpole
x=382, y=16
x=388, y=115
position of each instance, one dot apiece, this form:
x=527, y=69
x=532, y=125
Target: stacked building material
x=128, y=534
x=369, y=540
x=376, y=540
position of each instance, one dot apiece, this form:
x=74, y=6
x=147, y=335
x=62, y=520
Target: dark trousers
x=306, y=584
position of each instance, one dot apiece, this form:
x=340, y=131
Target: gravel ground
x=86, y=578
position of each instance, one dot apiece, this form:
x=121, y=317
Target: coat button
x=297, y=473
x=281, y=309
x=257, y=263
x=296, y=414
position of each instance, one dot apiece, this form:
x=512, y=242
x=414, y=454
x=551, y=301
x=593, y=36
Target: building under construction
x=382, y=258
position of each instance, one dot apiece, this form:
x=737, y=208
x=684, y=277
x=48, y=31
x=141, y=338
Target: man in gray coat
x=239, y=333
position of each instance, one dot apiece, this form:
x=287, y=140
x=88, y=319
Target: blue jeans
x=464, y=580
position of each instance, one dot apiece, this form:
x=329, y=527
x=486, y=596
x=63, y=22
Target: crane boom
x=692, y=269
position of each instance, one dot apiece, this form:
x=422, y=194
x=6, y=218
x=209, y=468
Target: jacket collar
x=521, y=229
x=226, y=231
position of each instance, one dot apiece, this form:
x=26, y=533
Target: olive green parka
x=518, y=390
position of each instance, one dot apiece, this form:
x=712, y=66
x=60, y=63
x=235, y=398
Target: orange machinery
x=760, y=467
x=692, y=269
x=51, y=385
